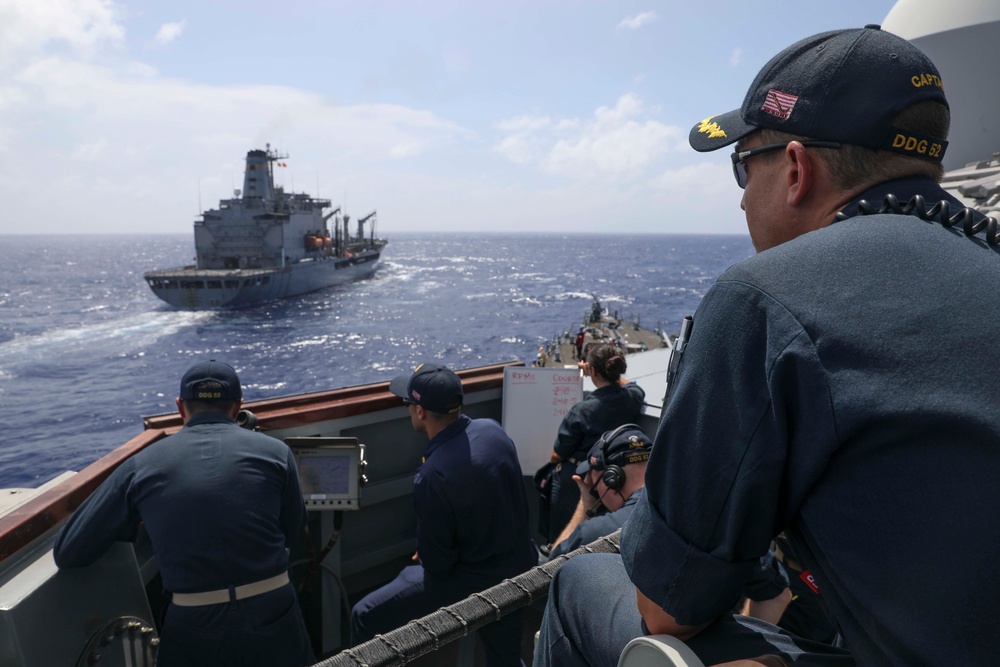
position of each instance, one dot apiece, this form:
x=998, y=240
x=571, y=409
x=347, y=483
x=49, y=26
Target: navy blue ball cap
x=432, y=387
x=225, y=384
x=621, y=446
x=843, y=85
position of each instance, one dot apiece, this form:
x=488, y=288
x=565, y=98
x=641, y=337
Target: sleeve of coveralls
x=569, y=438
x=436, y=528
x=636, y=393
x=293, y=506
x=732, y=460
x=104, y=518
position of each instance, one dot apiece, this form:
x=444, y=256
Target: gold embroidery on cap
x=711, y=129
x=921, y=80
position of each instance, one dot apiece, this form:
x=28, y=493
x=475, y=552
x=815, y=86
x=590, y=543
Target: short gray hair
x=856, y=168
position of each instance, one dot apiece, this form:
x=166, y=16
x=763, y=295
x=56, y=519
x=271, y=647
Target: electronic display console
x=330, y=471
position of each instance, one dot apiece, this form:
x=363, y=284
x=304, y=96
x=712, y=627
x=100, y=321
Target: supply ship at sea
x=266, y=244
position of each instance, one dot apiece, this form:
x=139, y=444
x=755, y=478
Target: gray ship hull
x=203, y=289
x=267, y=244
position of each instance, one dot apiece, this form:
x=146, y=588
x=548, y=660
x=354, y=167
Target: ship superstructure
x=266, y=244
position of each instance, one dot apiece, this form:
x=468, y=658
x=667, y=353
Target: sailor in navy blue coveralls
x=598, y=526
x=836, y=387
x=619, y=490
x=472, y=519
x=616, y=490
x=221, y=505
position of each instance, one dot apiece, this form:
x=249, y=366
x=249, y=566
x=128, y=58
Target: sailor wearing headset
x=612, y=478
x=612, y=481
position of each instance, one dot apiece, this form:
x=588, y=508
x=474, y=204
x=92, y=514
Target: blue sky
x=482, y=115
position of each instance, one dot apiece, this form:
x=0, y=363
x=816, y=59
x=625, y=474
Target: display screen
x=325, y=475
x=329, y=471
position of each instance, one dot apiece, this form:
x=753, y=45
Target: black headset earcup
x=613, y=477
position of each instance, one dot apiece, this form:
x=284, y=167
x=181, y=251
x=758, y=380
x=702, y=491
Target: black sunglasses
x=740, y=157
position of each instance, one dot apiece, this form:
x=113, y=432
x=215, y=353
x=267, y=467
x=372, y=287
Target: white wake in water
x=133, y=333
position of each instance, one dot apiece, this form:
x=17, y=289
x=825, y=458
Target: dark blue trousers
x=263, y=631
x=591, y=615
x=411, y=595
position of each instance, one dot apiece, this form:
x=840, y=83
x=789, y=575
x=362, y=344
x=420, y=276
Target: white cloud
x=91, y=152
x=172, y=108
x=628, y=105
x=704, y=193
x=617, y=142
x=619, y=151
x=27, y=27
x=115, y=140
x=11, y=96
x=523, y=123
x=707, y=180
x=637, y=21
x=516, y=148
x=736, y=57
x=110, y=136
x=168, y=32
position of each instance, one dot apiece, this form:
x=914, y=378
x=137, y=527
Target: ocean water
x=86, y=349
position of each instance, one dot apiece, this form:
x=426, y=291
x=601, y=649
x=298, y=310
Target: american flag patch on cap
x=779, y=104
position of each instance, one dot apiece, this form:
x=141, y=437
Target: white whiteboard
x=535, y=400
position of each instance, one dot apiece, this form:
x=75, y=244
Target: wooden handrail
x=26, y=523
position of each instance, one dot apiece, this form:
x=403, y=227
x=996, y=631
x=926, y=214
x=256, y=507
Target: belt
x=232, y=593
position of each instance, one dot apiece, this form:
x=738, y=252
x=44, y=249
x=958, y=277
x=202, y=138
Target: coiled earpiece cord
x=972, y=221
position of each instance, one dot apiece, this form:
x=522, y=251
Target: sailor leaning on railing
x=220, y=504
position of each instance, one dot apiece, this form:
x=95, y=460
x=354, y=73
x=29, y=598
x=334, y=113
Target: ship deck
x=631, y=337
